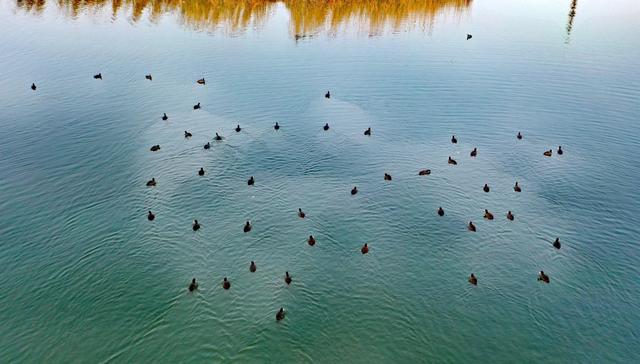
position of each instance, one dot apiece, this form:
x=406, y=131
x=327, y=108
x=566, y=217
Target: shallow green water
x=86, y=278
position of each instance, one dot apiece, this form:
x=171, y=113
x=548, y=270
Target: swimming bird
x=485, y=188
x=474, y=152
x=488, y=215
x=326, y=126
x=453, y=139
x=440, y=211
x=252, y=267
x=469, y=36
x=312, y=240
x=225, y=283
x=548, y=153
x=151, y=216
x=517, y=187
x=471, y=227
x=201, y=172
x=473, y=280
x=187, y=134
x=247, y=227
x=218, y=137
x=556, y=244
x=452, y=161
x=164, y=116
x=201, y=81
x=151, y=183
x=196, y=106
x=98, y=76
x=301, y=214
x=510, y=215
x=251, y=181
x=155, y=148
x=277, y=127
x=33, y=86
x=424, y=172
x=196, y=225
x=148, y=77
x=543, y=277
x=238, y=128
x=560, y=152
x=364, y=249
x=387, y=177
x=193, y=285
x=354, y=190
x=287, y=278
x=328, y=95
x=367, y=132
x=280, y=314
x=207, y=146
x=519, y=136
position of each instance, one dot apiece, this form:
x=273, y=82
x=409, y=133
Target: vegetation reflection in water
x=307, y=16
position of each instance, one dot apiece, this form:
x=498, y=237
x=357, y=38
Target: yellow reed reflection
x=306, y=16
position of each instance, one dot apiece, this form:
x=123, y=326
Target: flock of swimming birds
x=226, y=284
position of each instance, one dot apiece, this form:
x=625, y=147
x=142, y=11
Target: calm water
x=86, y=278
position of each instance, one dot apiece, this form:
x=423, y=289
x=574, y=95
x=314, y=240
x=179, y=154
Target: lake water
x=85, y=277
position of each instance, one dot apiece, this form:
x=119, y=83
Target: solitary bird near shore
x=452, y=161
x=364, y=249
x=148, y=77
x=201, y=81
x=326, y=126
x=542, y=276
x=252, y=267
x=311, y=241
x=474, y=152
x=471, y=226
x=164, y=116
x=328, y=95
x=440, y=211
x=196, y=106
x=517, y=187
x=280, y=314
x=193, y=285
x=98, y=76
x=151, y=216
x=33, y=86
x=367, y=132
x=473, y=280
x=301, y=214
x=151, y=183
x=196, y=225
x=247, y=227
x=225, y=283
x=469, y=36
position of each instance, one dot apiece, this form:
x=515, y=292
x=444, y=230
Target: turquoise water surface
x=85, y=277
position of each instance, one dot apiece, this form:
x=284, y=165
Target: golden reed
x=306, y=16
